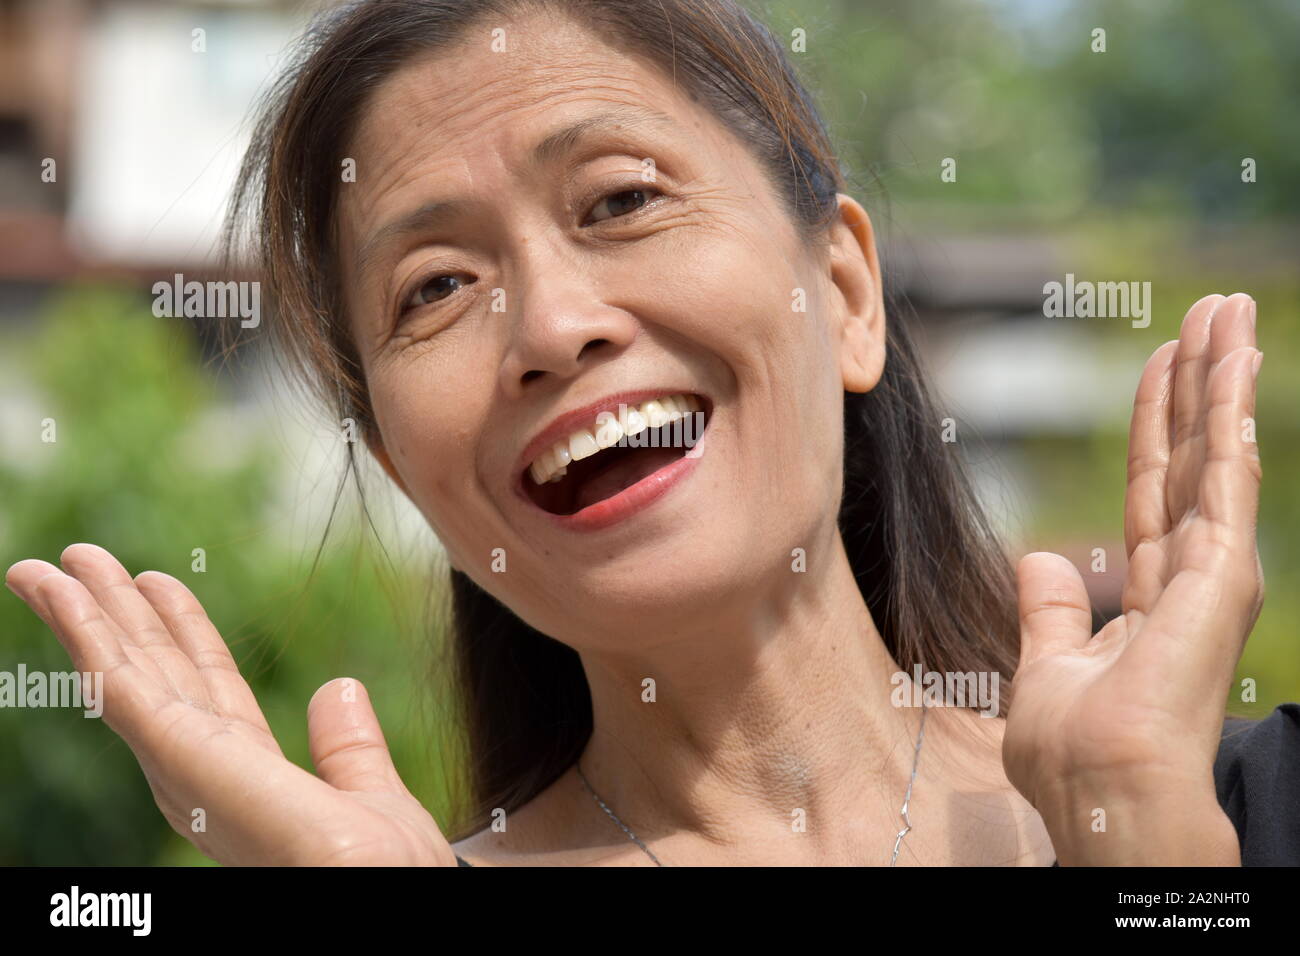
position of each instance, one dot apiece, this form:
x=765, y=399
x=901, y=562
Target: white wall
x=160, y=129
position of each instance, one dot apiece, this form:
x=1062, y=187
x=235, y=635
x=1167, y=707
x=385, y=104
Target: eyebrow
x=560, y=142
x=553, y=146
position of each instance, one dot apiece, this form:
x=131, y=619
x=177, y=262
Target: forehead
x=539, y=67
x=468, y=115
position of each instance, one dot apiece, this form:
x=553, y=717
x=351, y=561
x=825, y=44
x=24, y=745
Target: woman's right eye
x=434, y=289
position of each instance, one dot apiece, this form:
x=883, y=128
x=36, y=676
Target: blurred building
x=121, y=126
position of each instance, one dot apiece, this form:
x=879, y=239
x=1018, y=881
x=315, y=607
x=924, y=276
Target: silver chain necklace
x=898, y=840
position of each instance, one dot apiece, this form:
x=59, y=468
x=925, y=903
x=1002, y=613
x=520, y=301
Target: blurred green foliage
x=136, y=468
x=1044, y=129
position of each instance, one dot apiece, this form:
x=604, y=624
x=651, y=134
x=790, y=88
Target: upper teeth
x=608, y=430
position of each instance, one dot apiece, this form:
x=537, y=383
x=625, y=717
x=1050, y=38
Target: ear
x=375, y=442
x=855, y=272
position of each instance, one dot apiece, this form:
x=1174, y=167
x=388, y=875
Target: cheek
x=759, y=304
x=787, y=357
x=753, y=296
x=430, y=431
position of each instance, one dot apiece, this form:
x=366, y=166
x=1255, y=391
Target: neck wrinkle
x=786, y=707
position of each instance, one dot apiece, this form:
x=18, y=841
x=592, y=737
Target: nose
x=560, y=325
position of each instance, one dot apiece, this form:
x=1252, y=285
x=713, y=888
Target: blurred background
x=1168, y=152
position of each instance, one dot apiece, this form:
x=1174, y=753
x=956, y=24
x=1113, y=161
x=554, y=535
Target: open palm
x=1143, y=699
x=174, y=694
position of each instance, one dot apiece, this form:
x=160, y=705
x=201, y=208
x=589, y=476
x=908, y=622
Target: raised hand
x=1128, y=721
x=174, y=694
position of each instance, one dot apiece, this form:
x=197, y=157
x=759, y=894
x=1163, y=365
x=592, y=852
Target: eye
x=622, y=203
x=434, y=289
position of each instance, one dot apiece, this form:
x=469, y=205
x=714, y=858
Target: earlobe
x=861, y=372
x=855, y=273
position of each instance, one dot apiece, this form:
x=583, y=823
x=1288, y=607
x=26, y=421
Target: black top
x=1257, y=781
x=1257, y=777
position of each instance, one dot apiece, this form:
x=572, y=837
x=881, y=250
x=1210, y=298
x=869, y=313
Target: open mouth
x=621, y=448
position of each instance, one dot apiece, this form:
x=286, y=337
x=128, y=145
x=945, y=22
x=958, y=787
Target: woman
x=503, y=236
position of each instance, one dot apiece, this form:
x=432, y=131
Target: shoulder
x=1257, y=779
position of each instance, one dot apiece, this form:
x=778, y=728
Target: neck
x=782, y=707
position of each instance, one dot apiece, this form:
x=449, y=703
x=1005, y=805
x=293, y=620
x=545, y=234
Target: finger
x=1189, y=382
x=1146, y=514
x=197, y=638
x=131, y=696
x=1055, y=613
x=22, y=577
x=193, y=755
x=1196, y=632
x=259, y=805
x=1230, y=397
x=1230, y=480
x=35, y=581
x=25, y=579
x=1233, y=328
x=110, y=584
x=1145, y=578
x=347, y=744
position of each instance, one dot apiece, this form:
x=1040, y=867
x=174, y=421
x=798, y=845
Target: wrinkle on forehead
x=488, y=125
x=466, y=91
x=475, y=85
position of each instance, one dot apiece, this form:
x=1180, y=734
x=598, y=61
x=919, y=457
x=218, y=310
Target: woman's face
x=495, y=287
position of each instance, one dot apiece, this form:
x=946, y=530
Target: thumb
x=1055, y=612
x=347, y=745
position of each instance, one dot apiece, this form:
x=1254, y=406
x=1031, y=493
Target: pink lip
x=585, y=417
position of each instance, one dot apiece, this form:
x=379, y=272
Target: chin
x=681, y=580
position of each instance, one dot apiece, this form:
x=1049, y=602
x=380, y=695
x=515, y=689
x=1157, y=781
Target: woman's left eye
x=434, y=289
x=621, y=203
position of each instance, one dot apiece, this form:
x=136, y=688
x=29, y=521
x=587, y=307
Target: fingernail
x=1252, y=313
x=1259, y=360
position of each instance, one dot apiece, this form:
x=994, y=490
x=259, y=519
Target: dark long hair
x=932, y=573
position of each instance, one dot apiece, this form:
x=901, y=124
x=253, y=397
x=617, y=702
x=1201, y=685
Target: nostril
x=590, y=346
